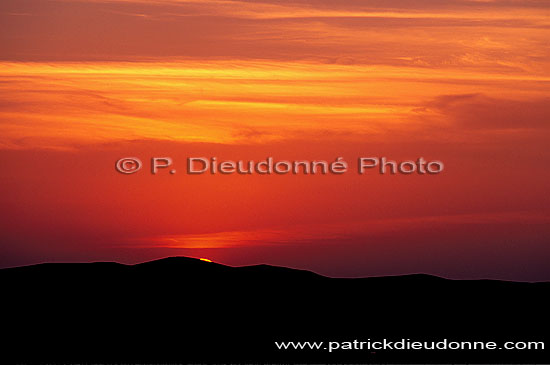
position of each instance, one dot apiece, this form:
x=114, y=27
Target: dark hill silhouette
x=189, y=311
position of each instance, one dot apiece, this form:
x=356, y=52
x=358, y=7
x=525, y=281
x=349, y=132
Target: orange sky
x=84, y=83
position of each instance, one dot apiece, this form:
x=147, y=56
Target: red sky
x=84, y=83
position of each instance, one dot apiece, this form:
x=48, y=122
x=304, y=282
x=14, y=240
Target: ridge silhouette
x=181, y=309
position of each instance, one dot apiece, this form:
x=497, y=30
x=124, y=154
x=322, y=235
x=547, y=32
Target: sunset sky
x=86, y=82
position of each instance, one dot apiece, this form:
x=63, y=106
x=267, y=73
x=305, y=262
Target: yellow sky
x=95, y=71
x=59, y=105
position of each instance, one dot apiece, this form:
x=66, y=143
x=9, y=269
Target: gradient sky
x=86, y=82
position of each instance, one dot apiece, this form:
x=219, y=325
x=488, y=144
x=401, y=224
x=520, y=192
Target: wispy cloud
x=65, y=103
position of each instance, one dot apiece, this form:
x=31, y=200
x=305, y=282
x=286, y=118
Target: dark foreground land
x=182, y=310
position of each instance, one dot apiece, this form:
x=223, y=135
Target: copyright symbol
x=128, y=165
